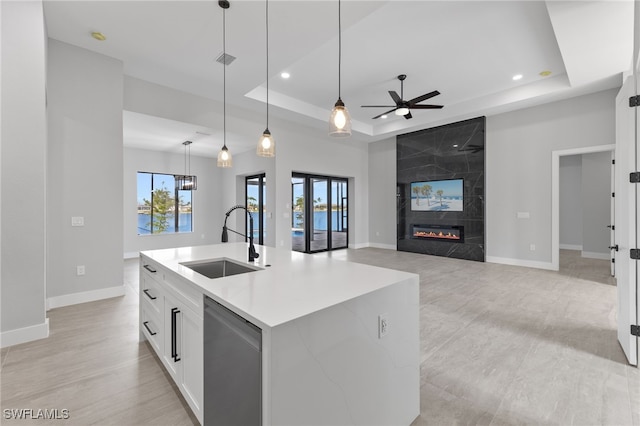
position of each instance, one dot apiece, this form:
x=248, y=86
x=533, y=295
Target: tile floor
x=500, y=345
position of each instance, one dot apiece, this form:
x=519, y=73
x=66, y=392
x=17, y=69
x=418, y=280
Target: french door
x=319, y=220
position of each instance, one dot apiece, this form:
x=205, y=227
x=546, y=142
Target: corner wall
x=84, y=177
x=23, y=168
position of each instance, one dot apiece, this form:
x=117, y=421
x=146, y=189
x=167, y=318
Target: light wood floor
x=499, y=345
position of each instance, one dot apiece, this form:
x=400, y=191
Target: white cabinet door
x=183, y=351
x=192, y=357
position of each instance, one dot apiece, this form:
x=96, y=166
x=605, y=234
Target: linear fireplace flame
x=452, y=233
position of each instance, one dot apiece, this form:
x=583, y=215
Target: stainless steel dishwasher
x=232, y=368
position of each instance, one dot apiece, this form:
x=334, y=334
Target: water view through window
x=162, y=208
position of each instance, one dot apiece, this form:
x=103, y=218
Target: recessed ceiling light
x=383, y=116
x=98, y=36
x=545, y=73
x=517, y=77
x=455, y=146
x=285, y=75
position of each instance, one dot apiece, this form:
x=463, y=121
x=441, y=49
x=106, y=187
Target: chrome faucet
x=253, y=254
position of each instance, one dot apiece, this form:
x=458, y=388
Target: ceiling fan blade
x=397, y=99
x=377, y=106
x=423, y=97
x=384, y=113
x=426, y=106
x=408, y=115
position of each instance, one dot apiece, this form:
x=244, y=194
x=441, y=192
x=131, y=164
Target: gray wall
x=382, y=194
x=518, y=173
x=519, y=147
x=596, y=201
x=205, y=200
x=570, y=179
x=85, y=171
x=24, y=145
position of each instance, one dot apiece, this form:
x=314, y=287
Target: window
x=162, y=208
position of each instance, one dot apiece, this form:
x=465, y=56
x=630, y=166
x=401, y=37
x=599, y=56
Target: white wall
x=571, y=202
x=84, y=175
x=596, y=202
x=206, y=200
x=313, y=151
x=23, y=161
x=518, y=166
x=382, y=194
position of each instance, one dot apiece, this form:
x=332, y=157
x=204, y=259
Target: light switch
x=77, y=221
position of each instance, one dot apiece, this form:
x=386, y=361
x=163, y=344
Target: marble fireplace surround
x=452, y=151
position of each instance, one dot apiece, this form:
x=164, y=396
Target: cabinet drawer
x=151, y=326
x=151, y=291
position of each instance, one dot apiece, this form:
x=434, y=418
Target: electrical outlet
x=77, y=221
x=383, y=325
x=80, y=270
x=532, y=247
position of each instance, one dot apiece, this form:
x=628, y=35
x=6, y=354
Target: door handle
x=613, y=247
x=613, y=228
x=174, y=337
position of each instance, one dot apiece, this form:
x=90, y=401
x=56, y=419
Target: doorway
x=319, y=220
x=586, y=216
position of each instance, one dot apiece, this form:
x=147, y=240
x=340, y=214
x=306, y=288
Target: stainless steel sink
x=219, y=268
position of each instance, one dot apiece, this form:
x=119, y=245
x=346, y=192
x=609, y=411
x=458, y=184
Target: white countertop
x=295, y=284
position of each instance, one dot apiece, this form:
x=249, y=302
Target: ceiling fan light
x=266, y=145
x=339, y=121
x=224, y=158
x=402, y=111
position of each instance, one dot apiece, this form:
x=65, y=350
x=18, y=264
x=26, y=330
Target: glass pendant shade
x=266, y=145
x=224, y=158
x=402, y=111
x=339, y=121
x=186, y=183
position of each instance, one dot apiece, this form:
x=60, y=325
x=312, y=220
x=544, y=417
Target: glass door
x=255, y=193
x=298, y=208
x=339, y=213
x=321, y=222
x=319, y=219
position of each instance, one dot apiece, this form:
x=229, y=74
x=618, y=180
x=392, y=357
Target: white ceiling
x=467, y=50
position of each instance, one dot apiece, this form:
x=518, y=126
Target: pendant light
x=187, y=182
x=339, y=121
x=224, y=156
x=266, y=145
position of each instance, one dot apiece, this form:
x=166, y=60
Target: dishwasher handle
x=240, y=326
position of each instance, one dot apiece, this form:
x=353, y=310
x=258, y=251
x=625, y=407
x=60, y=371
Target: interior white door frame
x=555, y=194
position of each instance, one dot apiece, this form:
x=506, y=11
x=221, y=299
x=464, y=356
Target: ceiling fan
x=403, y=107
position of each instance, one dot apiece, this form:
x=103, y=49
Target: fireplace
x=450, y=233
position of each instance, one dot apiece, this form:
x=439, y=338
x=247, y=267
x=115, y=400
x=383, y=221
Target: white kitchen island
x=324, y=361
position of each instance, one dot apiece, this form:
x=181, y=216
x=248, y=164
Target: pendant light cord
x=267, y=38
x=224, y=80
x=339, y=48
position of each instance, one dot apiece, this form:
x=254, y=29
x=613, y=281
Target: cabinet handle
x=146, y=291
x=150, y=269
x=148, y=329
x=174, y=337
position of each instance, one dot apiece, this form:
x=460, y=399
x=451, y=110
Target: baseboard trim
x=383, y=246
x=84, y=296
x=570, y=247
x=131, y=254
x=519, y=262
x=24, y=335
x=358, y=246
x=594, y=255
